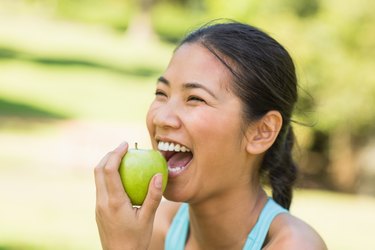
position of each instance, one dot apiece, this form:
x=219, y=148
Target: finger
x=100, y=185
x=112, y=177
x=103, y=161
x=153, y=198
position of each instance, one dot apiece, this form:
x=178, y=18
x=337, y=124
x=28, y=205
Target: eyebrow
x=189, y=85
x=163, y=80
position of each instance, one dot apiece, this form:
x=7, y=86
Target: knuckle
x=154, y=199
x=114, y=203
x=108, y=206
x=101, y=209
x=109, y=171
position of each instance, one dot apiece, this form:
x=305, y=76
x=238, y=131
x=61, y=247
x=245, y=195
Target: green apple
x=136, y=170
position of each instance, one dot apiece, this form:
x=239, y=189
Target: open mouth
x=178, y=156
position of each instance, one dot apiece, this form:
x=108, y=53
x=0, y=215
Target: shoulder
x=163, y=219
x=290, y=232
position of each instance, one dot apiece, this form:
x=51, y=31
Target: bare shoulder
x=290, y=232
x=163, y=219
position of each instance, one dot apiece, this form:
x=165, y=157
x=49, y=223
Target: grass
x=76, y=92
x=67, y=98
x=76, y=71
x=9, y=108
x=344, y=221
x=44, y=204
x=48, y=194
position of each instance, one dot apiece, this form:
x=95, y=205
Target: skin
x=194, y=107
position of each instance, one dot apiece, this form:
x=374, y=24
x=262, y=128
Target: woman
x=227, y=96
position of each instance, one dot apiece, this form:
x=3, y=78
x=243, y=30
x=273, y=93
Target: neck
x=213, y=221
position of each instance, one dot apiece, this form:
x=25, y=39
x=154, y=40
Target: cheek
x=150, y=117
x=220, y=154
x=216, y=131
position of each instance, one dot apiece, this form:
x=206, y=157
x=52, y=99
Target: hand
x=120, y=225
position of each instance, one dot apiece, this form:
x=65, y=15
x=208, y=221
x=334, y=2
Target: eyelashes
x=195, y=99
x=160, y=93
x=191, y=98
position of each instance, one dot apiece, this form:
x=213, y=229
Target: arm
x=120, y=225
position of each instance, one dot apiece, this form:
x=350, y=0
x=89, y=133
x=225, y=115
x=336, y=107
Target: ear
x=263, y=133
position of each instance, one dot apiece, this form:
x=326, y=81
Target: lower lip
x=173, y=174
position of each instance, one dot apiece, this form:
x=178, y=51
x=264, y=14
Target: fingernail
x=122, y=145
x=158, y=181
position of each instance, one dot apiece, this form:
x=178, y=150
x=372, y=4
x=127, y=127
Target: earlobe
x=262, y=134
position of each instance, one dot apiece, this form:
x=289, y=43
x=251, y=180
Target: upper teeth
x=170, y=146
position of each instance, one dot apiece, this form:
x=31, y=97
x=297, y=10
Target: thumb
x=153, y=197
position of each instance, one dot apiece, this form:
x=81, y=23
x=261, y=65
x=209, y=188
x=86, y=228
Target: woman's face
x=195, y=110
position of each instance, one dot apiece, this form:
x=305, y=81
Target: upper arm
x=163, y=218
x=292, y=233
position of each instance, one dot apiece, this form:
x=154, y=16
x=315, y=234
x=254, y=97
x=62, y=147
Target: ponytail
x=280, y=168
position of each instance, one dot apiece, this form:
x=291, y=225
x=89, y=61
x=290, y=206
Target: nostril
x=166, y=115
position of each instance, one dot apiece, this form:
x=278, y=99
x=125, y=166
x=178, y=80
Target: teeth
x=175, y=169
x=166, y=146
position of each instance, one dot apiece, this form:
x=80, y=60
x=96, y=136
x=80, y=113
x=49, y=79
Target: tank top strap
x=177, y=233
x=258, y=234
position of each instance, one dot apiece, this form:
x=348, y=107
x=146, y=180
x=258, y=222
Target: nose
x=167, y=116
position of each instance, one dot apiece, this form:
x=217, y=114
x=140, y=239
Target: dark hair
x=264, y=80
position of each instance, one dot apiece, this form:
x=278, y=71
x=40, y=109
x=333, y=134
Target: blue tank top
x=177, y=233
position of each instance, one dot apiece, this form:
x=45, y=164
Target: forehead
x=194, y=62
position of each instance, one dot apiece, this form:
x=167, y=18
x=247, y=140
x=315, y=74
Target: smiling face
x=195, y=110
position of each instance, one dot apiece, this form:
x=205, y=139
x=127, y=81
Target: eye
x=195, y=99
x=160, y=96
x=159, y=92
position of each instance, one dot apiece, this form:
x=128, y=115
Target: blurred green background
x=77, y=76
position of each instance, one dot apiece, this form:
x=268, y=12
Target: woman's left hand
x=120, y=225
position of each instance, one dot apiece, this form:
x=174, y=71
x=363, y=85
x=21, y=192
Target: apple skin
x=137, y=169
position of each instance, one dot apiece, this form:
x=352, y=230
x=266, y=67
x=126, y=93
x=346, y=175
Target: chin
x=176, y=194
x=173, y=196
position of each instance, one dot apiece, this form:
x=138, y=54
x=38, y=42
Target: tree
x=140, y=27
